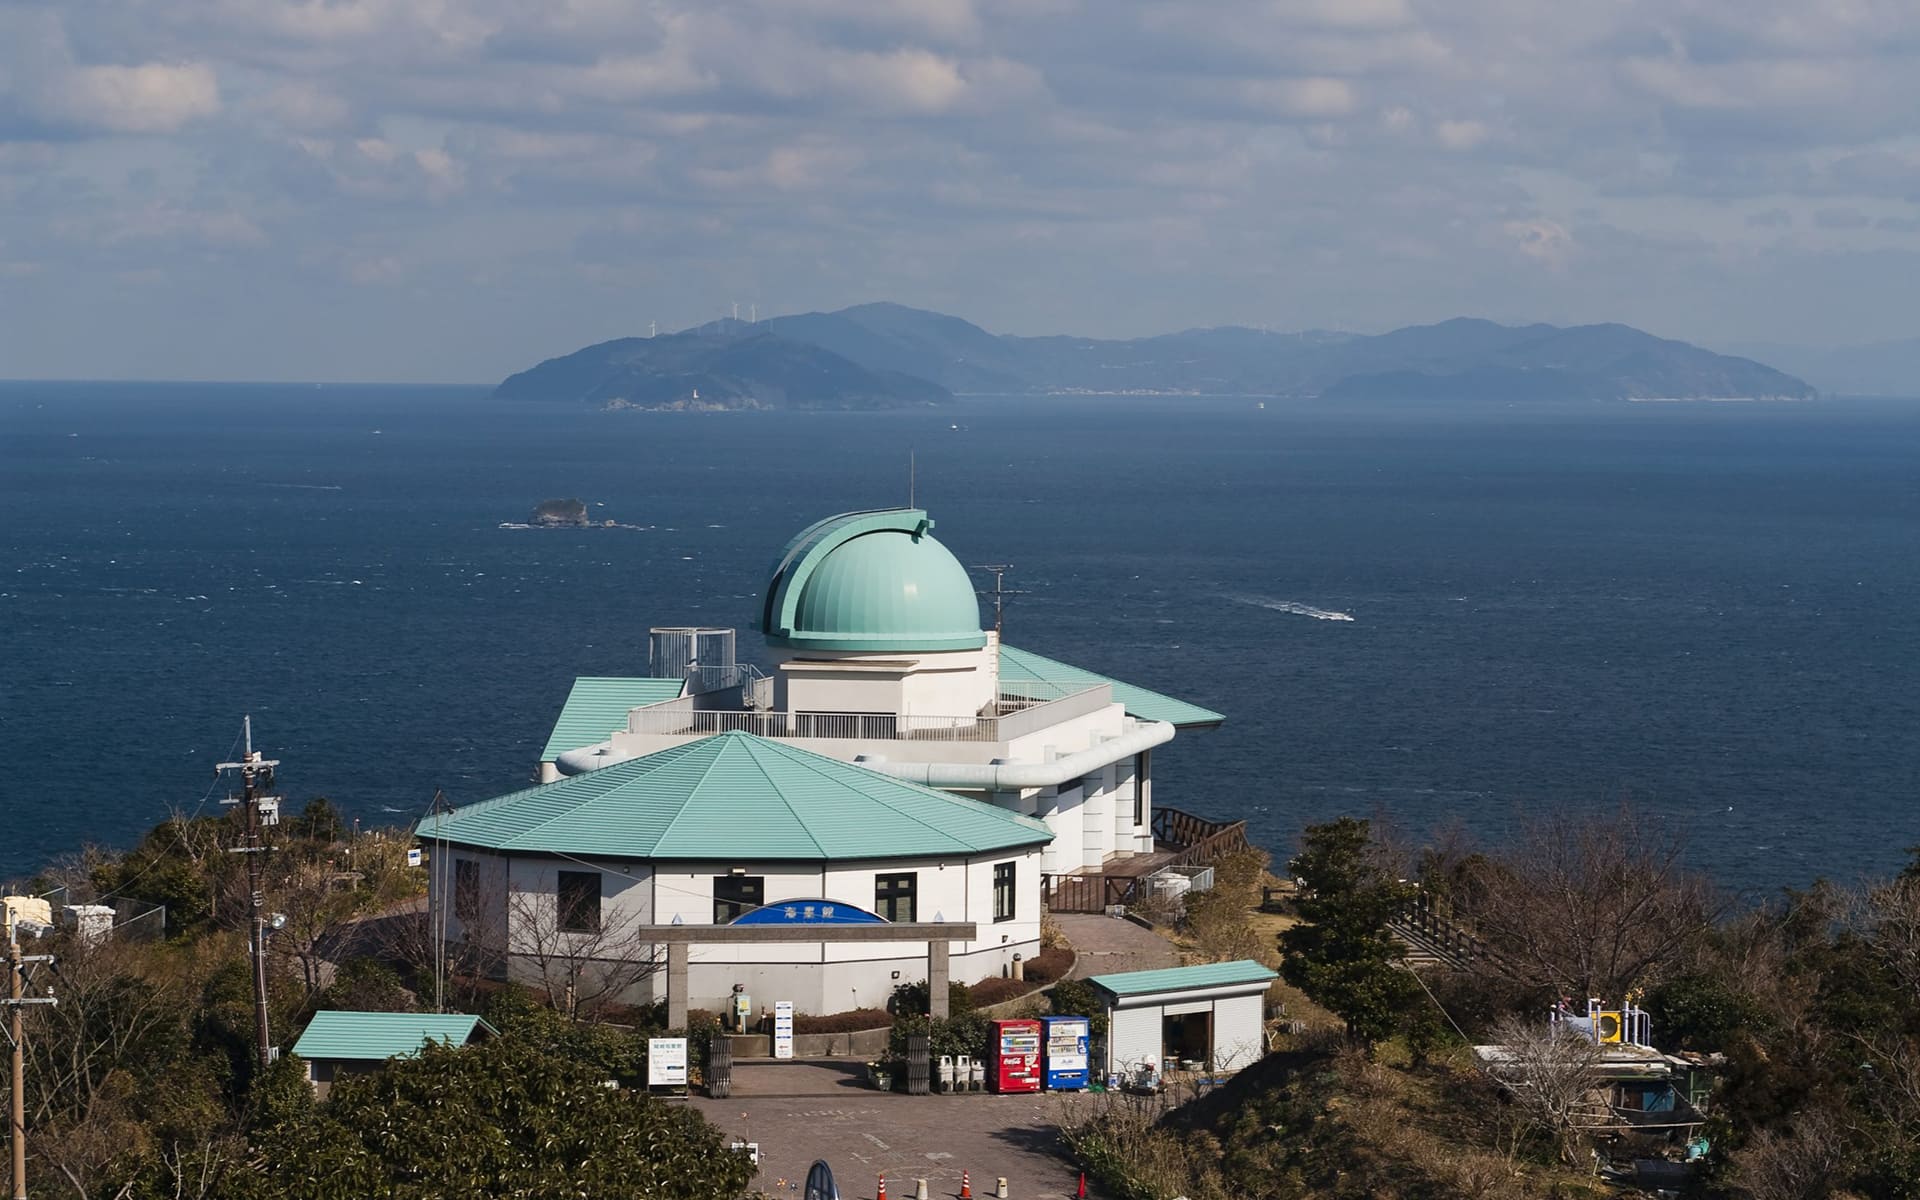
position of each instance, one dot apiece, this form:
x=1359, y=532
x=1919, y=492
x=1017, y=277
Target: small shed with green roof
x=1207, y=1017
x=339, y=1043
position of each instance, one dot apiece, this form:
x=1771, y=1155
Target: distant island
x=727, y=366
x=560, y=514
x=570, y=513
x=891, y=356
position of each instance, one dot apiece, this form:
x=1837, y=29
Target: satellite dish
x=820, y=1182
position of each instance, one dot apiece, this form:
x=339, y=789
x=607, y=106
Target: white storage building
x=1213, y=1015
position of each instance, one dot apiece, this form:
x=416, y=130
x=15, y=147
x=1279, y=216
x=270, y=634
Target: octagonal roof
x=735, y=796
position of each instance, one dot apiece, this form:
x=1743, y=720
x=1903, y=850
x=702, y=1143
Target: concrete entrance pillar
x=676, y=985
x=937, y=979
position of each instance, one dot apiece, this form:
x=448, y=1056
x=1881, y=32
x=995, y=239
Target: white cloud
x=1461, y=135
x=150, y=98
x=911, y=80
x=1313, y=97
x=1541, y=240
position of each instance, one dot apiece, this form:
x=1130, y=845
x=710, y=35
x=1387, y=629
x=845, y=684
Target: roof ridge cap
x=798, y=819
x=866, y=777
x=686, y=801
x=614, y=784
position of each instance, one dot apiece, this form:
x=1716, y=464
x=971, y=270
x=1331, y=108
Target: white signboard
x=413, y=857
x=666, y=1062
x=783, y=1029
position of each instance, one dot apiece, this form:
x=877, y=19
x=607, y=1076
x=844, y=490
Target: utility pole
x=256, y=777
x=999, y=593
x=16, y=1003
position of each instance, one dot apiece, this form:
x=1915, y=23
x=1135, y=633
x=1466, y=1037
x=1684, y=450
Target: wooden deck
x=1181, y=839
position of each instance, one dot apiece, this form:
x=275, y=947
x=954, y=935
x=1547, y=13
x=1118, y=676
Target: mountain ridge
x=884, y=354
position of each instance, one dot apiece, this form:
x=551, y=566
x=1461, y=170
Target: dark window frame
x=744, y=894
x=576, y=907
x=891, y=889
x=1004, y=887
x=466, y=890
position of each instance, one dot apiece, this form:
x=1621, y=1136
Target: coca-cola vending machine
x=1015, y=1065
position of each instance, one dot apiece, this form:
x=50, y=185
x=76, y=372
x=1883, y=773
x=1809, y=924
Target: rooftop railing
x=1016, y=717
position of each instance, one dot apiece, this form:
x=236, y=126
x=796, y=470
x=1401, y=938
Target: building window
x=466, y=890
x=1003, y=891
x=893, y=896
x=734, y=896
x=579, y=894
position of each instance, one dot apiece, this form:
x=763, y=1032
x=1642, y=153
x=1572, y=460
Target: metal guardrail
x=1194, y=840
x=679, y=717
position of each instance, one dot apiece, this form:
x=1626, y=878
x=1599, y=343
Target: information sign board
x=783, y=1029
x=666, y=1062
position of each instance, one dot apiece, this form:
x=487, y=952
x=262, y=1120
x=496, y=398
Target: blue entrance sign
x=809, y=912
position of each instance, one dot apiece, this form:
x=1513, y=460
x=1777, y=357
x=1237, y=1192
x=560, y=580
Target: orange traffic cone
x=966, y=1185
x=883, y=1188
x=1082, y=1193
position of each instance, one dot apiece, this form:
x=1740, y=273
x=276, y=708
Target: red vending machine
x=1015, y=1065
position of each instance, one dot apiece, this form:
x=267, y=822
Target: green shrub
x=910, y=998
x=851, y=1021
x=1076, y=998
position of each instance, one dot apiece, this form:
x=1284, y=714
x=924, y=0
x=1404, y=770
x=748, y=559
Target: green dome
x=871, y=582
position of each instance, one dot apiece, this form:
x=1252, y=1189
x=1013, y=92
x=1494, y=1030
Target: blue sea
x=1709, y=611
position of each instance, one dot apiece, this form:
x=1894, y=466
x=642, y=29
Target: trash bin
x=962, y=1072
x=946, y=1072
x=976, y=1076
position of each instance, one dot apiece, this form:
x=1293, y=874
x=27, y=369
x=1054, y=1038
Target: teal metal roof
x=736, y=796
x=597, y=706
x=1176, y=979
x=1048, y=677
x=380, y=1035
x=871, y=581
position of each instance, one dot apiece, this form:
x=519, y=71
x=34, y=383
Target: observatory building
x=899, y=765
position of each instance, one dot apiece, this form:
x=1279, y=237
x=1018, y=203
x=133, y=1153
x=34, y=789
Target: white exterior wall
x=818, y=977
x=1133, y=1038
x=949, y=683
x=1096, y=809
x=1134, y=1031
x=489, y=924
x=1125, y=831
x=1060, y=809
x=1239, y=1031
x=626, y=900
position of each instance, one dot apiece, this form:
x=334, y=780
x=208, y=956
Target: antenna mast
x=437, y=896
x=15, y=1003
x=999, y=593
x=256, y=777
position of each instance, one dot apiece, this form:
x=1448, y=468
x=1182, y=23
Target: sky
x=451, y=190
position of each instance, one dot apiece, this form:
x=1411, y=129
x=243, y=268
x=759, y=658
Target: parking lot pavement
x=802, y=1111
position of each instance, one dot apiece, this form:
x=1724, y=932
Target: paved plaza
x=802, y=1111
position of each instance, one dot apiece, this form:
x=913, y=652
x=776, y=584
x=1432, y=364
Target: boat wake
x=1294, y=607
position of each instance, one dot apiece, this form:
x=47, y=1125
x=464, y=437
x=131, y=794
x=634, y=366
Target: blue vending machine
x=1065, y=1043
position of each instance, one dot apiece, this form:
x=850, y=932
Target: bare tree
x=314, y=905
x=578, y=970
x=1890, y=918
x=1590, y=905
x=1553, y=1075
x=1805, y=1161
